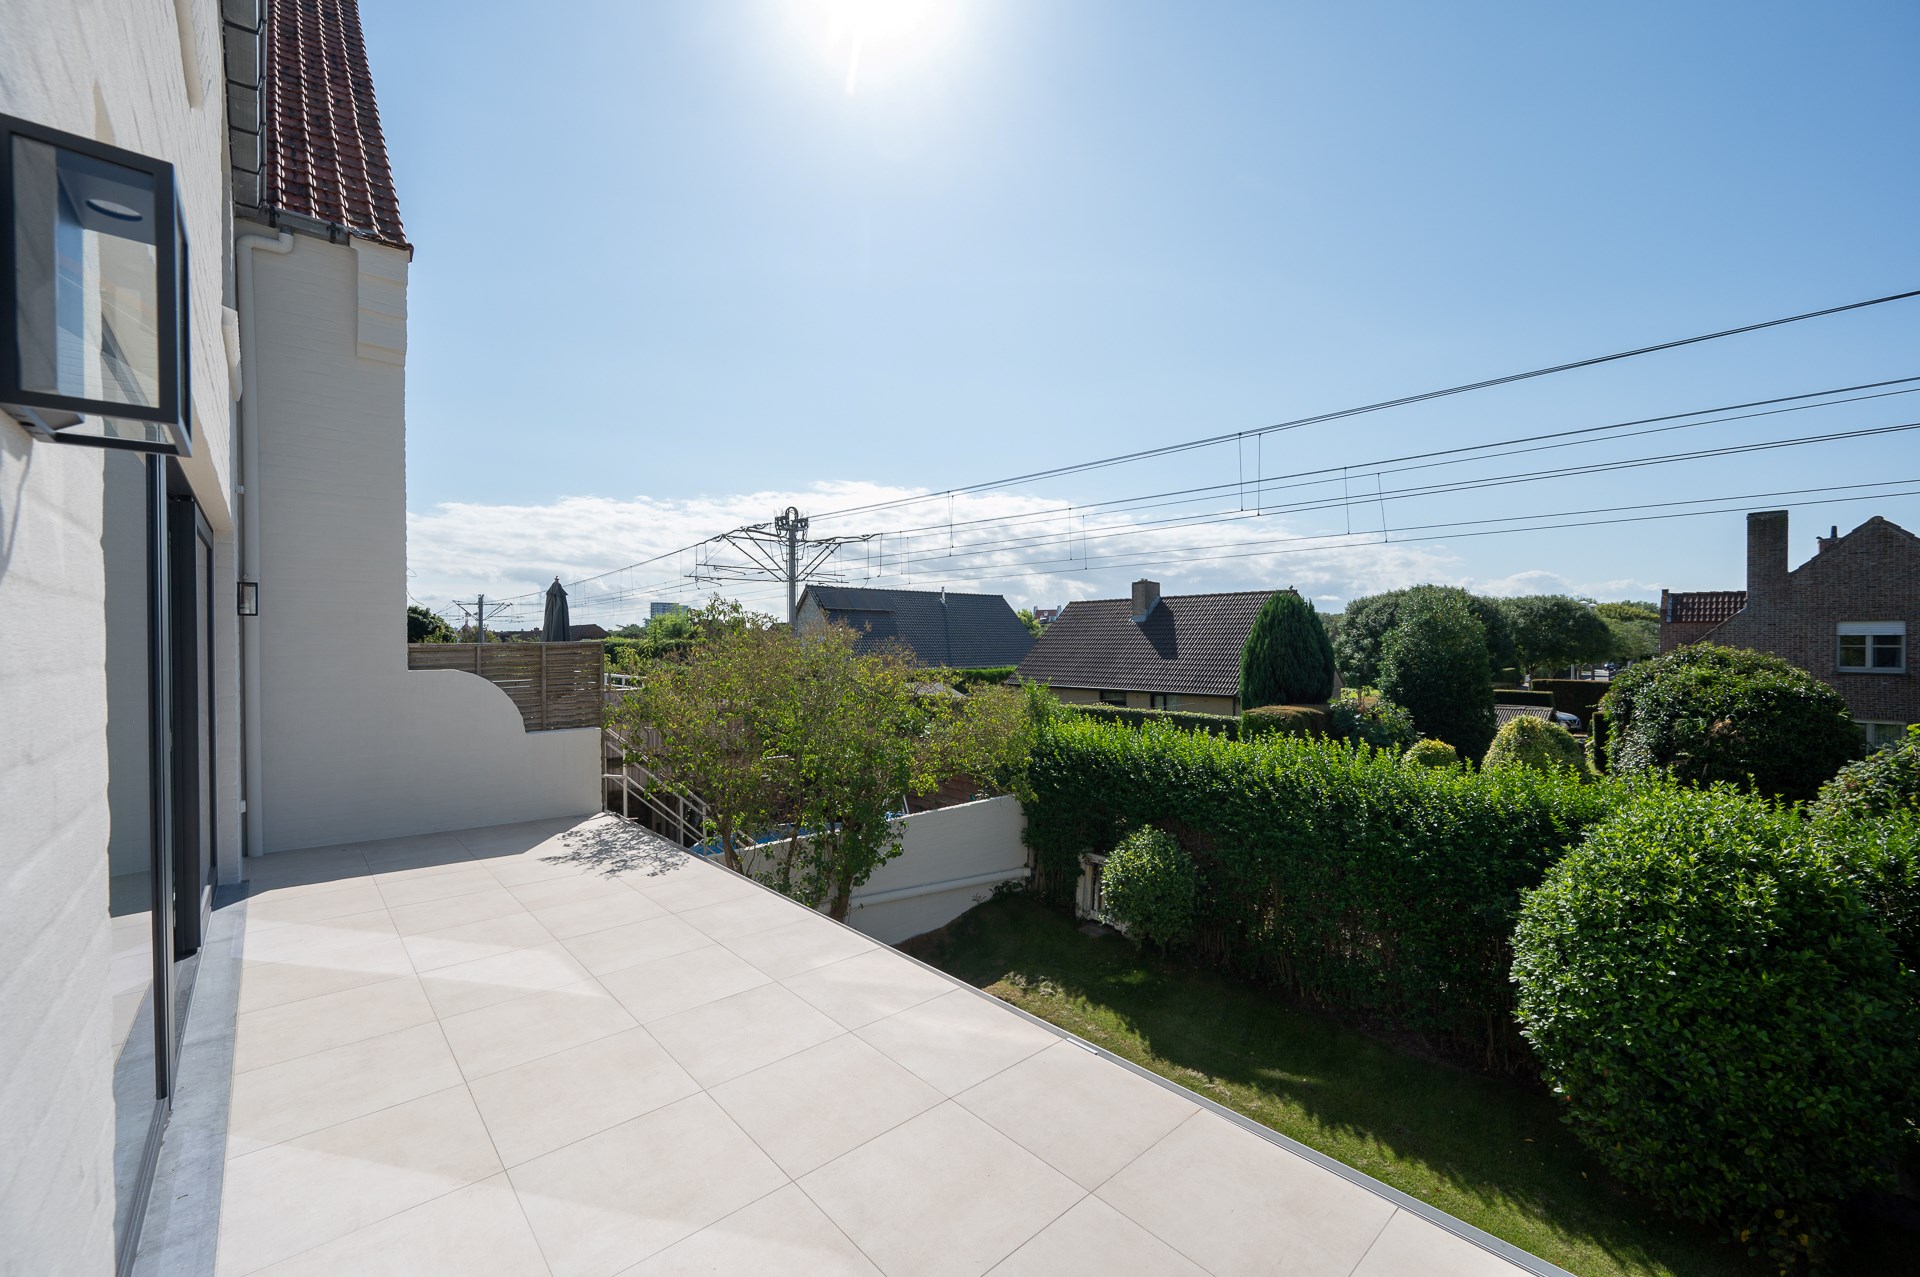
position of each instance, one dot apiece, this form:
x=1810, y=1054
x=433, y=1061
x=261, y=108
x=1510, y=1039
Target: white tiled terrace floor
x=568, y=1048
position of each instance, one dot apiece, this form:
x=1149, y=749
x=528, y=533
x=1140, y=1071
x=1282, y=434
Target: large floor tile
x=314, y=942
x=477, y=1231
x=944, y=1195
x=761, y=911
x=957, y=1040
x=401, y=892
x=267, y=909
x=604, y=1203
x=287, y=1032
x=1411, y=1245
x=270, y=984
x=801, y=945
x=582, y=917
x=736, y=1035
x=1236, y=1203
x=545, y=1104
x=493, y=901
x=1082, y=1115
x=475, y=940
x=548, y=892
x=869, y=987
x=693, y=885
x=283, y=1101
x=681, y=981
x=811, y=1107
x=1095, y=1240
x=783, y=1232
x=294, y=1196
x=527, y=1028
x=611, y=950
x=469, y=986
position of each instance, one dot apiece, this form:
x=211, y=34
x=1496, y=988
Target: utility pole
x=793, y=525
x=478, y=612
x=777, y=551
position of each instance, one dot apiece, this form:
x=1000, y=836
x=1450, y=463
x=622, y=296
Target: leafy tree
x=425, y=627
x=1287, y=659
x=1884, y=783
x=1553, y=632
x=629, y=632
x=1434, y=662
x=1629, y=610
x=1363, y=629
x=1709, y=713
x=1028, y=619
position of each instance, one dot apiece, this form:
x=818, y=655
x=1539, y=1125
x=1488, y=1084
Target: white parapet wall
x=950, y=860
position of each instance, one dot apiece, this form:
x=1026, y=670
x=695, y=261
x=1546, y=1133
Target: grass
x=1491, y=1152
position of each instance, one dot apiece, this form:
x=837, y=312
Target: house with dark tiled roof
x=1148, y=651
x=1845, y=615
x=944, y=629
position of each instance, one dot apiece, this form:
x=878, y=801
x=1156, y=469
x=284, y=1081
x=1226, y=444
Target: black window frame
x=170, y=270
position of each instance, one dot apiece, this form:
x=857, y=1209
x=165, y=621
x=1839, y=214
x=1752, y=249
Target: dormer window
x=1872, y=647
x=93, y=265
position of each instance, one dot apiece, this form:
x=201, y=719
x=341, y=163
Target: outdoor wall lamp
x=93, y=269
x=249, y=598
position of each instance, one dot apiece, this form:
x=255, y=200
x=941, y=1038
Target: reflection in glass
x=87, y=263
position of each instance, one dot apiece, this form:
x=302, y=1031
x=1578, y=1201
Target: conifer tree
x=1288, y=659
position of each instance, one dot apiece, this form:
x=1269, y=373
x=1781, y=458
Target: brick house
x=1844, y=615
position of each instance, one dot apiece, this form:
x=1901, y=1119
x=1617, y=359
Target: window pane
x=1886, y=651
x=85, y=256
x=1853, y=651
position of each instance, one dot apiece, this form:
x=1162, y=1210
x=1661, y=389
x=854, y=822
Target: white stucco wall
x=115, y=73
x=354, y=746
x=949, y=861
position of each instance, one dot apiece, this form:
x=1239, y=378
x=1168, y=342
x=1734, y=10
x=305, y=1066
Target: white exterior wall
x=354, y=746
x=949, y=862
x=123, y=74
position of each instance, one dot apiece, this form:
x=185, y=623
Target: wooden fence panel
x=553, y=685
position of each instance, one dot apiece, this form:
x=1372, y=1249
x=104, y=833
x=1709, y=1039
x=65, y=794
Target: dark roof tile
x=1189, y=644
x=957, y=631
x=1709, y=607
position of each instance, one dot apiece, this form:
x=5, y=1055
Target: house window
x=1113, y=698
x=1881, y=735
x=1872, y=647
x=1166, y=700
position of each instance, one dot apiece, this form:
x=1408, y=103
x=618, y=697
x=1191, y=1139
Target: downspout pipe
x=254, y=824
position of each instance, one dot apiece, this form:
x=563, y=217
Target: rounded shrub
x=1526, y=741
x=1434, y=662
x=1433, y=753
x=1371, y=720
x=1713, y=995
x=1285, y=720
x=1710, y=713
x=1884, y=782
x=1149, y=887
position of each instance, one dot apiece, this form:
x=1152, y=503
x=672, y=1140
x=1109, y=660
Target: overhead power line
x=1382, y=405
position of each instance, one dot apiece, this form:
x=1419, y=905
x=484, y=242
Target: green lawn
x=1487, y=1151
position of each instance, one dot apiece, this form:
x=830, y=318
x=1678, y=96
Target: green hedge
x=1212, y=724
x=1285, y=720
x=984, y=675
x=1354, y=881
x=1516, y=696
x=1576, y=696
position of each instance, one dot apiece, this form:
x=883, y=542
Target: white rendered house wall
x=353, y=745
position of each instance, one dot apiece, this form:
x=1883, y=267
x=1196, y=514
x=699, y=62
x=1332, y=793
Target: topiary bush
x=1434, y=662
x=1433, y=753
x=1148, y=888
x=1185, y=720
x=1884, y=782
x=1286, y=720
x=1371, y=720
x=1709, y=988
x=1287, y=659
x=1526, y=741
x=1711, y=713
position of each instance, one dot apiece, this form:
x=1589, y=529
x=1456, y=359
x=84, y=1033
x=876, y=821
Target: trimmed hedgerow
x=1519, y=696
x=1576, y=696
x=1371, y=720
x=1212, y=724
x=1527, y=741
x=1710, y=713
x=1710, y=987
x=1884, y=782
x=1285, y=720
x=1432, y=753
x=1358, y=883
x=1148, y=887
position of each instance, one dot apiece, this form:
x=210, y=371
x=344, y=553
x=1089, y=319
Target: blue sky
x=677, y=268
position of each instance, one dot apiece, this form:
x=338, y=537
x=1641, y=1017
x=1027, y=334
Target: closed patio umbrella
x=556, y=628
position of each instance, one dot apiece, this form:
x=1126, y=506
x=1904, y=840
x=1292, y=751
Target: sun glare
x=869, y=39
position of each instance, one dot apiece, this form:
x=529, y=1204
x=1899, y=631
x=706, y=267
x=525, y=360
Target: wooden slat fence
x=554, y=685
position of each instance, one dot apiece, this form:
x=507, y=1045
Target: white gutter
x=254, y=841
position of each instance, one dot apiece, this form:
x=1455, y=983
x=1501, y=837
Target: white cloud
x=1540, y=581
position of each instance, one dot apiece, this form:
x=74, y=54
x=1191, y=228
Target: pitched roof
x=323, y=153
x=1700, y=607
x=1189, y=644
x=944, y=629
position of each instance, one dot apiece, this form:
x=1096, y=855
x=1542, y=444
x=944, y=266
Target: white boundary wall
x=950, y=860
